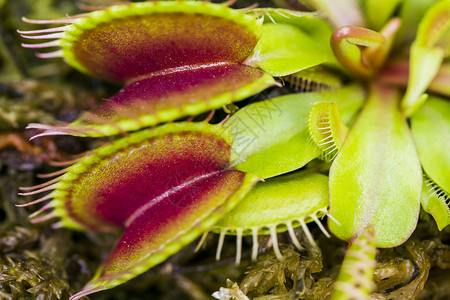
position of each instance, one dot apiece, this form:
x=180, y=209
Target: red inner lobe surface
x=109, y=193
x=168, y=90
x=168, y=220
x=123, y=49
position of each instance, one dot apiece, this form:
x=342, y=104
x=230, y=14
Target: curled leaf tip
x=346, y=42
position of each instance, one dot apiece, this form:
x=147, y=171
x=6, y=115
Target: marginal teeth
x=33, y=188
x=270, y=17
x=60, y=21
x=307, y=232
x=47, y=30
x=326, y=129
x=42, y=45
x=202, y=241
x=57, y=225
x=274, y=237
x=54, y=54
x=39, y=211
x=220, y=244
x=434, y=189
x=49, y=130
x=333, y=218
x=44, y=218
x=52, y=174
x=293, y=236
x=255, y=243
x=45, y=189
x=238, y=245
x=317, y=221
x=57, y=35
x=273, y=242
x=64, y=163
x=42, y=199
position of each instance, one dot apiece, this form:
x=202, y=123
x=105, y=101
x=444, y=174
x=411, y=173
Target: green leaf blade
x=427, y=54
x=430, y=128
x=271, y=137
x=293, y=52
x=376, y=178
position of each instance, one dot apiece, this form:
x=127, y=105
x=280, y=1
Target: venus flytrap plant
x=327, y=129
x=191, y=56
x=170, y=199
x=168, y=185
x=283, y=203
x=212, y=41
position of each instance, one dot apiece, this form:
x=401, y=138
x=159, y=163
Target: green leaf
x=426, y=54
x=435, y=201
x=271, y=137
x=276, y=205
x=376, y=177
x=284, y=49
x=279, y=200
x=424, y=65
x=327, y=129
x=292, y=41
x=430, y=127
x=311, y=23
